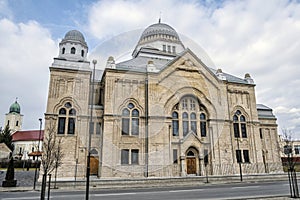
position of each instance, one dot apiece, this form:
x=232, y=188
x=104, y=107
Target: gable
x=187, y=65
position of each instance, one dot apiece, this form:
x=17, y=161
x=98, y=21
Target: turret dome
x=75, y=36
x=15, y=108
x=73, y=47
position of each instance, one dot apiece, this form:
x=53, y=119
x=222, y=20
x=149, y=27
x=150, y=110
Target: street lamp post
x=38, y=151
x=88, y=169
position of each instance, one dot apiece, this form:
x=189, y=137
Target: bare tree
x=52, y=155
x=290, y=162
x=58, y=155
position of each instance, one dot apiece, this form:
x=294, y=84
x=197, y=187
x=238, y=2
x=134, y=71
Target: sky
x=250, y=36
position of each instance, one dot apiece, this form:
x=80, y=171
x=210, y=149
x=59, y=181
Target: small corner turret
x=111, y=63
x=73, y=47
x=220, y=74
x=248, y=78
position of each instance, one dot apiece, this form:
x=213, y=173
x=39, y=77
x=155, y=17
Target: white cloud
x=261, y=38
x=239, y=36
x=26, y=53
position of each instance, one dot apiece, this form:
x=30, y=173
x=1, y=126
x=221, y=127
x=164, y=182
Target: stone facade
x=163, y=113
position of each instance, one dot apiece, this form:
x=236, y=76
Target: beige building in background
x=163, y=113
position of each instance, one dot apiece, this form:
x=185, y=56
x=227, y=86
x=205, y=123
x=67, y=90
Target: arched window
x=203, y=124
x=175, y=124
x=239, y=125
x=135, y=122
x=125, y=121
x=130, y=120
x=61, y=121
x=185, y=123
x=73, y=50
x=63, y=50
x=193, y=122
x=66, y=120
x=71, y=121
x=189, y=114
x=82, y=53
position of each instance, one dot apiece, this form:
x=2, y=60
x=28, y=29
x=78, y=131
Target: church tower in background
x=14, y=118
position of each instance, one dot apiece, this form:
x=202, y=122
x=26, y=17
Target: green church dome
x=15, y=108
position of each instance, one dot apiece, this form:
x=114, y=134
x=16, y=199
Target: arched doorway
x=191, y=161
x=94, y=165
x=94, y=162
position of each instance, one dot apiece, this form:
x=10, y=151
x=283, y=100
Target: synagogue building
x=162, y=113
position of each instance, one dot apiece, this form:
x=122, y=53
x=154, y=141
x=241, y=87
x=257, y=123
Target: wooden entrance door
x=94, y=164
x=191, y=165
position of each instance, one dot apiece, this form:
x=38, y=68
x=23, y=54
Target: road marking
x=114, y=194
x=38, y=197
x=245, y=187
x=186, y=190
x=17, y=198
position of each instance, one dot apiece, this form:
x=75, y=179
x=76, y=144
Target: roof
x=230, y=78
x=264, y=112
x=159, y=28
x=4, y=148
x=158, y=35
x=74, y=35
x=139, y=64
x=262, y=107
x=15, y=108
x=35, y=153
x=31, y=135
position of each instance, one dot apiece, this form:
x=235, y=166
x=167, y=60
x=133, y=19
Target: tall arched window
x=193, y=122
x=63, y=50
x=130, y=120
x=189, y=114
x=203, y=124
x=239, y=125
x=175, y=124
x=66, y=120
x=71, y=121
x=82, y=53
x=73, y=50
x=185, y=123
x=61, y=121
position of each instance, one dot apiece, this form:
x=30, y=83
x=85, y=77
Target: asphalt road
x=223, y=191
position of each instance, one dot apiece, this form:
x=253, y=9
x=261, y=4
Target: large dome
x=159, y=31
x=161, y=37
x=159, y=28
x=74, y=35
x=15, y=108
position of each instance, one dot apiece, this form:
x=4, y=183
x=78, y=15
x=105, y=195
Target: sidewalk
x=25, y=180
